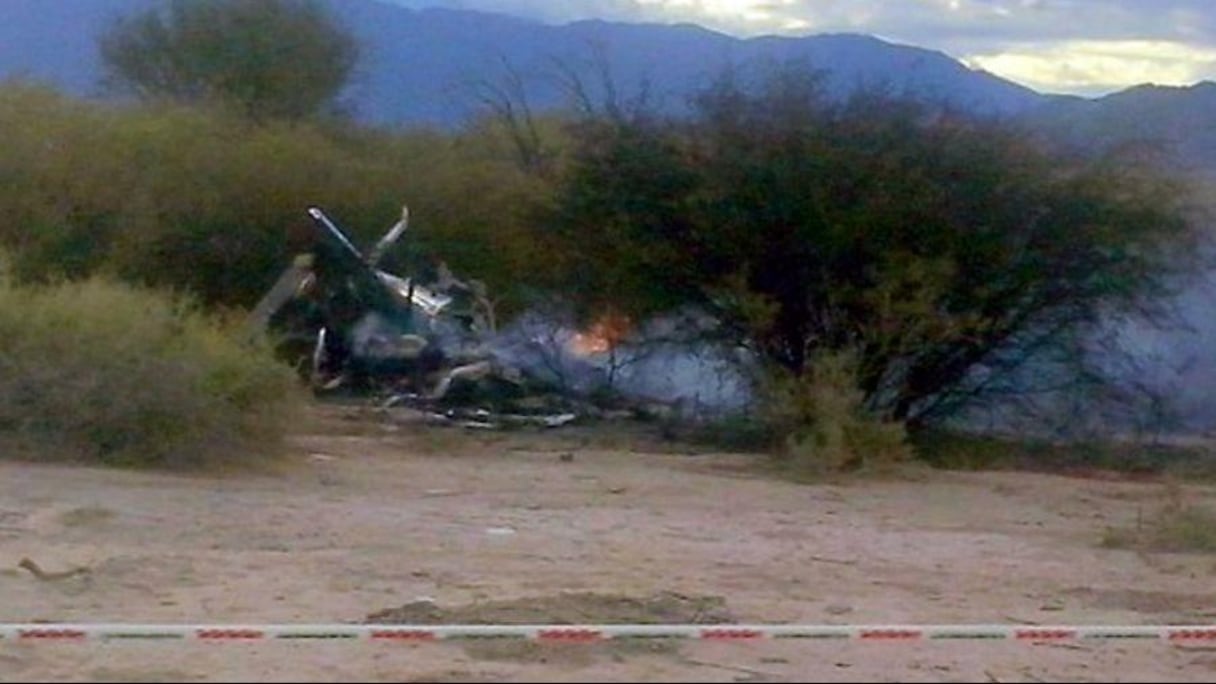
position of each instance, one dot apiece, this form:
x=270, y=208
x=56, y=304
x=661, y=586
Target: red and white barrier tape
x=27, y=633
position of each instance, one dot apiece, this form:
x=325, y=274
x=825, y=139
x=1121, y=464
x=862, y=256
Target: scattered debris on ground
x=427, y=347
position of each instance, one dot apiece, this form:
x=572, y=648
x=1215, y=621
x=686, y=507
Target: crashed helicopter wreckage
x=350, y=325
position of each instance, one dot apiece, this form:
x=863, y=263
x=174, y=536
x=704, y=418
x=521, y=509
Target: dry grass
x=823, y=425
x=104, y=373
x=1176, y=526
x=955, y=450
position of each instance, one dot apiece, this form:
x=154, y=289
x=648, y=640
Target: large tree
x=269, y=58
x=947, y=254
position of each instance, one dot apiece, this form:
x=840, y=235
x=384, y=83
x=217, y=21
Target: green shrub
x=206, y=202
x=822, y=423
x=101, y=372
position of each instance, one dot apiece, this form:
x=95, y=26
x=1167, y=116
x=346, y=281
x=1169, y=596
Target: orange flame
x=602, y=336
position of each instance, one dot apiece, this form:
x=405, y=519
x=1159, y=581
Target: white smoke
x=654, y=364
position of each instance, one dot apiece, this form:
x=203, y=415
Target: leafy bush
x=952, y=255
x=101, y=372
x=272, y=58
x=822, y=422
x=210, y=203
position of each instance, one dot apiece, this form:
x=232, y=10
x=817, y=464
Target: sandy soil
x=369, y=516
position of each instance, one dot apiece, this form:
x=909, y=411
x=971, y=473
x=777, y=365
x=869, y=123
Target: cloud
x=556, y=11
x=1083, y=46
x=1096, y=67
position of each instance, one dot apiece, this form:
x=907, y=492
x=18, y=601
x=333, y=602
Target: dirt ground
x=371, y=520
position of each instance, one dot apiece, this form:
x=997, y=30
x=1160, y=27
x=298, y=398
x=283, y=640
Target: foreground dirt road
x=368, y=516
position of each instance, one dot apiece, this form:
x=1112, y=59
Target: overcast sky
x=1086, y=47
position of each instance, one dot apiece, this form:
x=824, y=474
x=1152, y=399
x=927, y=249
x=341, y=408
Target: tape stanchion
x=579, y=634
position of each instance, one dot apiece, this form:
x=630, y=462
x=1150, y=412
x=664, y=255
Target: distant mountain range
x=1177, y=122
x=427, y=66
x=421, y=66
x=421, y=63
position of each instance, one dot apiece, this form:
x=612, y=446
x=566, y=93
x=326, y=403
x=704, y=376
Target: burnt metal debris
x=351, y=326
x=429, y=348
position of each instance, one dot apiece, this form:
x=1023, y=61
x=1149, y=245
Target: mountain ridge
x=418, y=60
x=430, y=66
